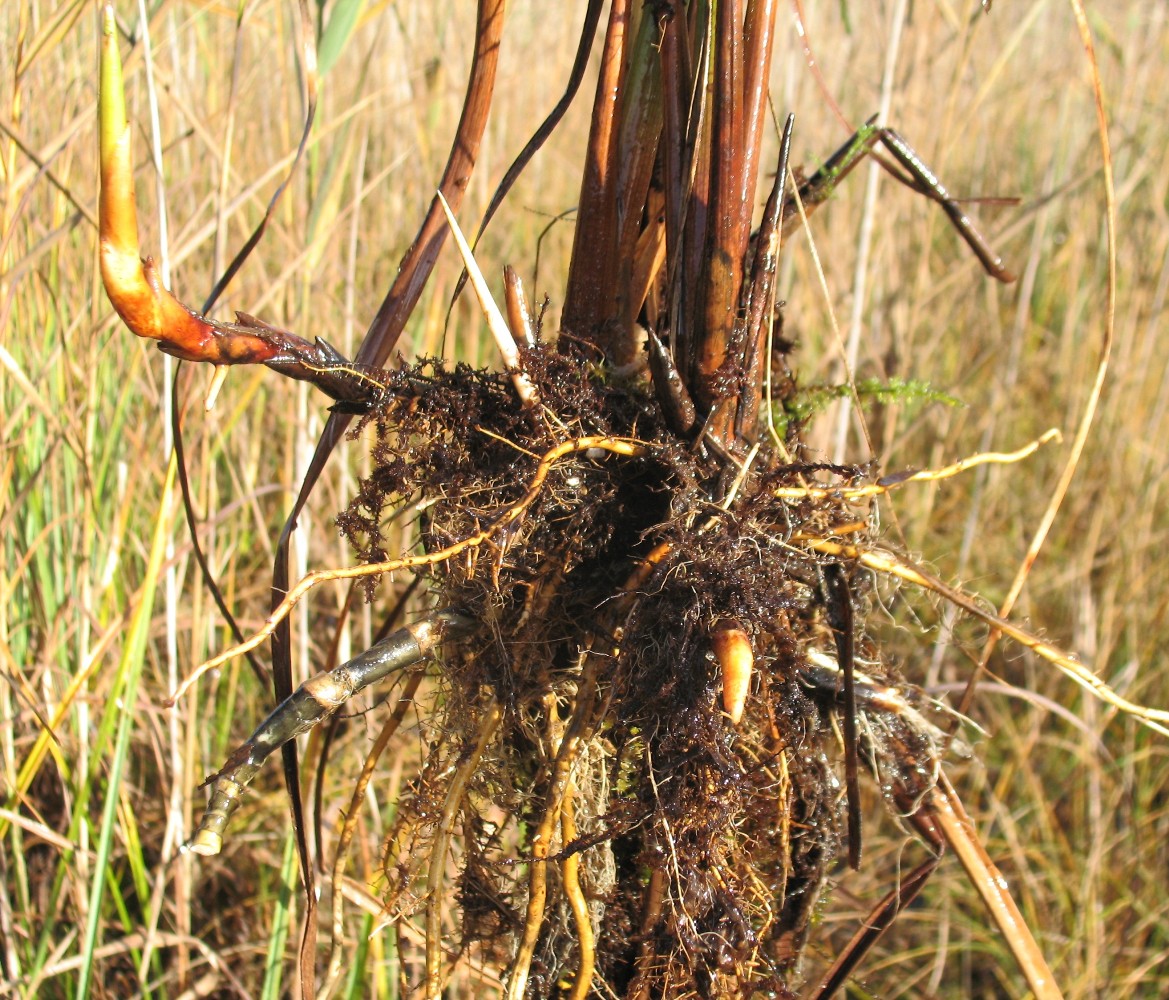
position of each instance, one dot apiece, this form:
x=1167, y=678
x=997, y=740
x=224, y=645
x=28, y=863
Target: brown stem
x=588, y=299
x=654, y=894
x=946, y=810
x=726, y=239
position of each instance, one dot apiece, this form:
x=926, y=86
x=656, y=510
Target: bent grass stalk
x=892, y=565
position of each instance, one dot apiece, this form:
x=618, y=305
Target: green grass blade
x=281, y=920
x=342, y=21
x=129, y=673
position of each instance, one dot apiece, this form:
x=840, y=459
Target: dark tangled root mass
x=698, y=846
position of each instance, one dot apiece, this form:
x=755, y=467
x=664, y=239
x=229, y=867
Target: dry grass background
x=1071, y=800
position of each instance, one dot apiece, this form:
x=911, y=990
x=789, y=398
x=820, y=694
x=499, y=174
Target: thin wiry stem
x=897, y=479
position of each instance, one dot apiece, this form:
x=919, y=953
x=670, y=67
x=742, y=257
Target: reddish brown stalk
x=637, y=146
x=760, y=294
x=758, y=36
x=879, y=920
x=674, y=52
x=749, y=345
x=416, y=266
x=941, y=821
x=685, y=186
x=547, y=126
x=589, y=306
x=730, y=219
x=692, y=264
